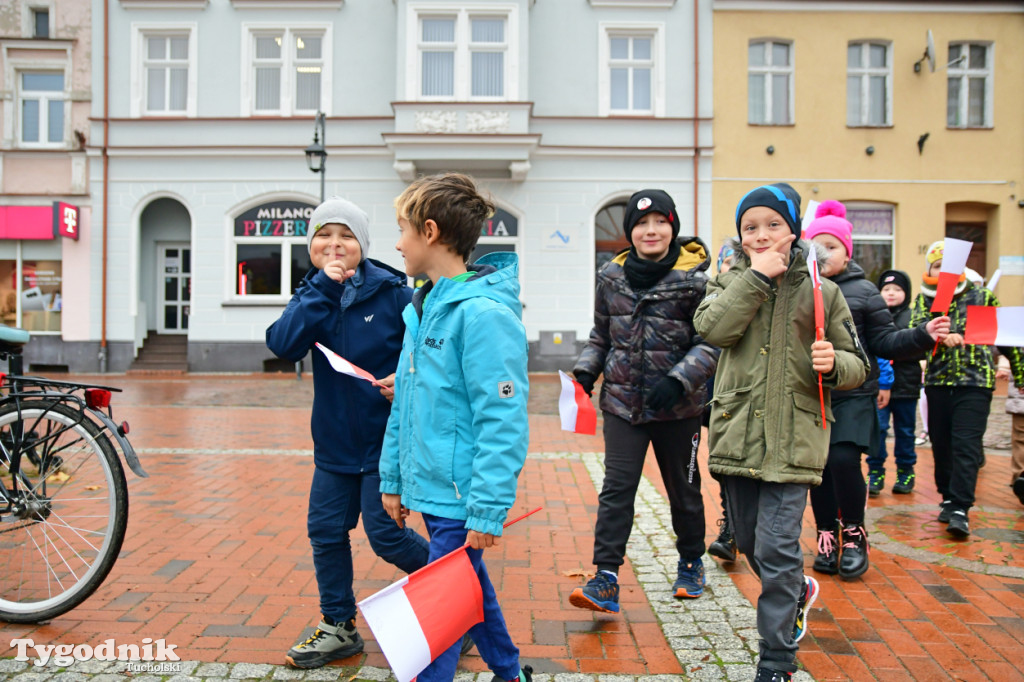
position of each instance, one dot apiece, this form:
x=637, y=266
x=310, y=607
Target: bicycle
x=64, y=497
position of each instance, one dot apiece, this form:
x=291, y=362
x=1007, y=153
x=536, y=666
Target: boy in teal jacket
x=458, y=432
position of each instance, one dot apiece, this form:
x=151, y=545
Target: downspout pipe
x=106, y=185
x=696, y=114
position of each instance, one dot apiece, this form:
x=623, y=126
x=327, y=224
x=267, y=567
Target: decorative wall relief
x=437, y=121
x=487, y=121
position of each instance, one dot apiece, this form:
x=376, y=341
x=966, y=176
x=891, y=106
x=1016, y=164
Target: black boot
x=725, y=546
x=854, y=561
x=827, y=560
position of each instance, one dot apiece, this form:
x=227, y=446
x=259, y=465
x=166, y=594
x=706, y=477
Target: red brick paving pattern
x=217, y=560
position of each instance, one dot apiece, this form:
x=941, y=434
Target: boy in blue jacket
x=458, y=432
x=353, y=306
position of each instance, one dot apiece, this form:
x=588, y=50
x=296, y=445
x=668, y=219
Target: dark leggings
x=842, y=493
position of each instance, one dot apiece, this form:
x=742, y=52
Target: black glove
x=586, y=380
x=665, y=394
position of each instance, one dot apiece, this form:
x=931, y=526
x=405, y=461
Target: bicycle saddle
x=12, y=339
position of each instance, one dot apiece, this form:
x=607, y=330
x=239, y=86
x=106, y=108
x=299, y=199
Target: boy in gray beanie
x=353, y=306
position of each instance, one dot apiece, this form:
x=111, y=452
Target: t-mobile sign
x=65, y=220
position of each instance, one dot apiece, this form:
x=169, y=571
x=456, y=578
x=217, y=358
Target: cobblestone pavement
x=217, y=563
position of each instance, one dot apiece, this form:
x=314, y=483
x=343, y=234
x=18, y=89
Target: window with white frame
x=166, y=65
x=969, y=95
x=41, y=107
x=631, y=59
x=463, y=55
x=288, y=70
x=873, y=232
x=868, y=84
x=770, y=82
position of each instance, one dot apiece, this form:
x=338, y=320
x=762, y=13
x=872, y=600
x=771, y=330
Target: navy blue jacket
x=360, y=320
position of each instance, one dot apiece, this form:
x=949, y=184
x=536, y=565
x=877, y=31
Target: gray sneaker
x=328, y=643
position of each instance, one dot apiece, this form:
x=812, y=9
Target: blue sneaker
x=690, y=583
x=600, y=594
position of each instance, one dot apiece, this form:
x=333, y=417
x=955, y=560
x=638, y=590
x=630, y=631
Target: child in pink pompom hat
x=842, y=540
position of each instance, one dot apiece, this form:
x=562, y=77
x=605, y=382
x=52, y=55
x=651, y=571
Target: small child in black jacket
x=896, y=290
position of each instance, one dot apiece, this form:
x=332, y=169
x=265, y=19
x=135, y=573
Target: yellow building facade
x=840, y=100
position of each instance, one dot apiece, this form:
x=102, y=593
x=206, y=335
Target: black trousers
x=957, y=417
x=842, y=494
x=675, y=447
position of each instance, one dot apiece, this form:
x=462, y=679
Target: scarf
x=644, y=274
x=929, y=285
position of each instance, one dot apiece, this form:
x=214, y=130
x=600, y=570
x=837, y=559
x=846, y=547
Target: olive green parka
x=766, y=414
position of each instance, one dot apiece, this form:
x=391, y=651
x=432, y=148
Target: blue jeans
x=491, y=636
x=335, y=503
x=904, y=418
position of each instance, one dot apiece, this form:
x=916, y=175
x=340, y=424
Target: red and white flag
x=420, y=616
x=342, y=365
x=954, y=260
x=574, y=407
x=990, y=326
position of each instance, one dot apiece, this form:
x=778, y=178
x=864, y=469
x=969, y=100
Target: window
x=164, y=59
x=873, y=230
x=631, y=65
x=33, y=301
x=166, y=67
x=868, y=84
x=41, y=23
x=969, y=98
x=609, y=239
x=463, y=56
x=41, y=103
x=770, y=83
x=271, y=256
x=631, y=79
x=288, y=69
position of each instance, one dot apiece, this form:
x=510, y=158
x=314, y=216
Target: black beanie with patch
x=649, y=201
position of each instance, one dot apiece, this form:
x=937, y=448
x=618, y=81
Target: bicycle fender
x=130, y=458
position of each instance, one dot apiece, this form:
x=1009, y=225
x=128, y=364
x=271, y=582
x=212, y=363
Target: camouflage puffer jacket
x=639, y=338
x=966, y=365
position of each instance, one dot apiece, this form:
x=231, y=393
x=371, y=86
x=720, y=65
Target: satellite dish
x=929, y=54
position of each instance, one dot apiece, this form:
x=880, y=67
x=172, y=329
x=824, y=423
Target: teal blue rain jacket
x=457, y=436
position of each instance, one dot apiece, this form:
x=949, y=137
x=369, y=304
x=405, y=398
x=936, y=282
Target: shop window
x=873, y=230
x=271, y=256
x=34, y=301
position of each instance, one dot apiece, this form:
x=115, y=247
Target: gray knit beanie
x=343, y=212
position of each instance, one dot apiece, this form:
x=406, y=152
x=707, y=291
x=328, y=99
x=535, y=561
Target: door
x=174, y=287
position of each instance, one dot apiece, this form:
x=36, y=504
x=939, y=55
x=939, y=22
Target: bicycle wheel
x=63, y=535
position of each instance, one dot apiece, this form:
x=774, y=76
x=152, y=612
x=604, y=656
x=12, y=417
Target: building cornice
x=872, y=6
x=164, y=4
x=287, y=4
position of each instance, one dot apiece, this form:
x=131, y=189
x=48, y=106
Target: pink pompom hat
x=830, y=218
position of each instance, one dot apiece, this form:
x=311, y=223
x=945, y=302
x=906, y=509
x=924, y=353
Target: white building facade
x=201, y=111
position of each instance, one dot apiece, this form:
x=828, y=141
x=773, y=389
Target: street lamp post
x=316, y=159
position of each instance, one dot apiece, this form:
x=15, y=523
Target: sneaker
x=690, y=581
x=904, y=481
x=921, y=440
x=803, y=605
x=467, y=645
x=525, y=675
x=958, y=526
x=766, y=675
x=329, y=642
x=827, y=560
x=944, y=511
x=1018, y=488
x=600, y=594
x=876, y=481
x=725, y=546
x=854, y=561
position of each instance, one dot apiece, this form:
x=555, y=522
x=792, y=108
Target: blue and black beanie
x=779, y=197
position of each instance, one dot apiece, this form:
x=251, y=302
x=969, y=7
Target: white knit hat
x=343, y=212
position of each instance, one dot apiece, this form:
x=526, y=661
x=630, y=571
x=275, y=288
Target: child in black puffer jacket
x=856, y=426
x=894, y=285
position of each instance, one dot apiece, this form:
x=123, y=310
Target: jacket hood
x=693, y=255
x=853, y=271
x=496, y=278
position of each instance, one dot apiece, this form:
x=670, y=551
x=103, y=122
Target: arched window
x=609, y=239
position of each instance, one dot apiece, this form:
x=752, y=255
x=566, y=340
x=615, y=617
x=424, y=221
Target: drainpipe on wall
x=106, y=183
x=696, y=115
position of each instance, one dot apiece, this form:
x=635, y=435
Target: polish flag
x=990, y=326
x=417, y=618
x=954, y=260
x=574, y=407
x=342, y=365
